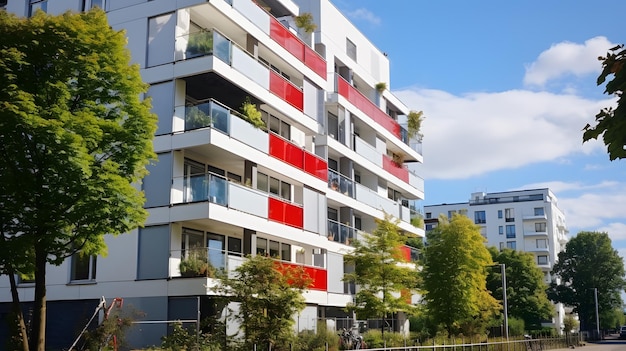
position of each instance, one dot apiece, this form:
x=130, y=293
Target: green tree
x=611, y=122
x=589, y=262
x=454, y=273
x=385, y=283
x=76, y=139
x=269, y=295
x=569, y=324
x=526, y=289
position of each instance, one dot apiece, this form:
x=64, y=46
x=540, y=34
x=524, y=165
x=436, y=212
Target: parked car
x=622, y=332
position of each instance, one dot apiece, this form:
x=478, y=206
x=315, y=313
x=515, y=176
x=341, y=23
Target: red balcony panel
x=406, y=253
x=314, y=61
x=286, y=151
x=393, y=168
x=286, y=39
x=286, y=91
x=315, y=166
x=286, y=213
x=369, y=108
x=318, y=276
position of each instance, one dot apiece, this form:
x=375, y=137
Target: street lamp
x=595, y=297
x=506, y=317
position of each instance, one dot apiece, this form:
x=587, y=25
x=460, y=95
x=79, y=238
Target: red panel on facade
x=393, y=168
x=286, y=91
x=286, y=39
x=286, y=151
x=319, y=276
x=314, y=61
x=286, y=213
x=406, y=253
x=369, y=108
x=315, y=166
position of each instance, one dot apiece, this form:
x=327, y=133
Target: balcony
x=298, y=157
x=318, y=276
x=340, y=183
x=285, y=212
x=341, y=233
x=361, y=102
x=208, y=114
x=392, y=167
x=203, y=187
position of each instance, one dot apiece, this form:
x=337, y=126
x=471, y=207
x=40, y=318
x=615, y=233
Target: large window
x=509, y=215
x=479, y=217
x=511, y=245
x=510, y=231
x=540, y=227
x=542, y=260
x=539, y=211
x=37, y=5
x=214, y=245
x=89, y=4
x=83, y=267
x=273, y=249
x=274, y=186
x=542, y=243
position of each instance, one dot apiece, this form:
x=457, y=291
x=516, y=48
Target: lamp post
x=595, y=297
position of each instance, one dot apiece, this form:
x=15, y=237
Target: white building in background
x=321, y=174
x=524, y=220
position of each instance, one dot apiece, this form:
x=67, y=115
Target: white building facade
x=525, y=220
x=324, y=170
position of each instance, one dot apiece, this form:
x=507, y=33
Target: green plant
x=195, y=117
x=200, y=43
x=195, y=264
x=414, y=120
x=110, y=334
x=305, y=21
x=252, y=114
x=380, y=87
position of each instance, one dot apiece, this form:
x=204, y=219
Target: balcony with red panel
x=288, y=40
x=392, y=167
x=284, y=89
x=318, y=276
x=364, y=104
x=285, y=212
x=298, y=157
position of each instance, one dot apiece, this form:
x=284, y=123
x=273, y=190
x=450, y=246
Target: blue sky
x=506, y=88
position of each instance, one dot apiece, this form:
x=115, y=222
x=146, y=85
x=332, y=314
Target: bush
x=516, y=327
x=375, y=339
x=310, y=340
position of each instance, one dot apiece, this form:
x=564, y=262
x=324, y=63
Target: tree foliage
x=454, y=274
x=269, y=294
x=611, y=122
x=76, y=138
x=526, y=289
x=589, y=262
x=384, y=281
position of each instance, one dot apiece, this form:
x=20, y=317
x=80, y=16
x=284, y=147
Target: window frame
x=91, y=269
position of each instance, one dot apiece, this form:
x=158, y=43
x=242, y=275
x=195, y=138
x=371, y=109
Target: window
x=429, y=215
x=429, y=227
x=25, y=279
x=451, y=213
x=37, y=5
x=511, y=245
x=540, y=227
x=501, y=246
x=351, y=49
x=510, y=231
x=214, y=244
x=274, y=249
x=83, y=267
x=479, y=217
x=499, y=213
x=261, y=246
x=89, y=4
x=542, y=260
x=3, y=2
x=509, y=215
x=501, y=230
x=273, y=185
x=279, y=127
x=539, y=211
x=463, y=212
x=542, y=243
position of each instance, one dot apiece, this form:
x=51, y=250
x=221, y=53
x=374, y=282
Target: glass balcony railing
x=207, y=114
x=203, y=43
x=340, y=183
x=340, y=233
x=205, y=187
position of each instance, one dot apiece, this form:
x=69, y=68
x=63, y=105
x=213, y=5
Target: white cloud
x=559, y=186
x=477, y=133
x=365, y=15
x=592, y=210
x=567, y=58
x=616, y=230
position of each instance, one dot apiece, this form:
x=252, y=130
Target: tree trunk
x=38, y=332
x=17, y=309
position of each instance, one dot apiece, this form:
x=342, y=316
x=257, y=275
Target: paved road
x=610, y=343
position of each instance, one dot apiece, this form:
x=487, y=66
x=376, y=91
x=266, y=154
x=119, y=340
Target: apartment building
x=331, y=160
x=525, y=220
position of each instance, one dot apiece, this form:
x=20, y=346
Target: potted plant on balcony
x=252, y=114
x=414, y=123
x=195, y=264
x=195, y=117
x=199, y=44
x=380, y=87
x=305, y=22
